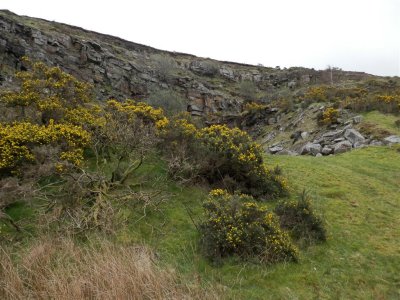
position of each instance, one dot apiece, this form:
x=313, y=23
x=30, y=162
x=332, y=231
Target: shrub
x=384, y=102
x=47, y=93
x=314, y=94
x=205, y=67
x=130, y=134
x=18, y=140
x=181, y=148
x=254, y=107
x=248, y=90
x=328, y=116
x=238, y=225
x=388, y=103
x=299, y=218
x=285, y=104
x=171, y=102
x=165, y=66
x=232, y=152
x=219, y=152
x=129, y=110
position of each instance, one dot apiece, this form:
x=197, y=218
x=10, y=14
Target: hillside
x=128, y=172
x=125, y=69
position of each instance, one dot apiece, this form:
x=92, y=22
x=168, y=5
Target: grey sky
x=359, y=35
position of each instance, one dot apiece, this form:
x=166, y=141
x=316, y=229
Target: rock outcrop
x=122, y=69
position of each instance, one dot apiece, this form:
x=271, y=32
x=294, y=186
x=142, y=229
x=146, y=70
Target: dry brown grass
x=60, y=269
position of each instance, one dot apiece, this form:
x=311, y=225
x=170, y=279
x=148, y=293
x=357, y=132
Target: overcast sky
x=360, y=35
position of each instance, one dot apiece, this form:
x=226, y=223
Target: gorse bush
x=254, y=106
x=52, y=111
x=299, y=218
x=57, y=130
x=181, y=149
x=237, y=225
x=18, y=140
x=219, y=152
x=315, y=94
x=233, y=153
x=49, y=93
x=386, y=103
x=131, y=110
x=329, y=116
x=130, y=134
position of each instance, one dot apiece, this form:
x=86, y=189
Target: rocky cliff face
x=123, y=69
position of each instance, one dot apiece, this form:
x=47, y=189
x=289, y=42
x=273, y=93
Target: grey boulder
x=275, y=149
x=326, y=150
x=311, y=148
x=353, y=136
x=342, y=147
x=393, y=139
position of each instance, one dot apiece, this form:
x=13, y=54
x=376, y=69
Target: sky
x=355, y=35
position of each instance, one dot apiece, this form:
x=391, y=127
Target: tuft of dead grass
x=61, y=269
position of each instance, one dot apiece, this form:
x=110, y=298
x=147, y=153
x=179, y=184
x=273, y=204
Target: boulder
x=275, y=149
x=353, y=136
x=318, y=155
x=304, y=135
x=268, y=137
x=206, y=68
x=227, y=72
x=311, y=148
x=342, y=147
x=357, y=119
x=332, y=134
x=326, y=150
x=376, y=143
x=393, y=139
x=358, y=145
x=341, y=139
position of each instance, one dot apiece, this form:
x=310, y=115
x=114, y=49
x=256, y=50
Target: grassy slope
x=382, y=121
x=359, y=195
x=357, y=192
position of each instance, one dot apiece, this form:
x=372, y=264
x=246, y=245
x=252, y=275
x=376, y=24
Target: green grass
x=357, y=192
x=382, y=121
x=358, y=195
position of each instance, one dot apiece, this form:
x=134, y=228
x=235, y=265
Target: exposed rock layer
x=122, y=69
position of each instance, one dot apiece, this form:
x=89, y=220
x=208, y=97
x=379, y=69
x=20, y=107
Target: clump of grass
x=60, y=269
